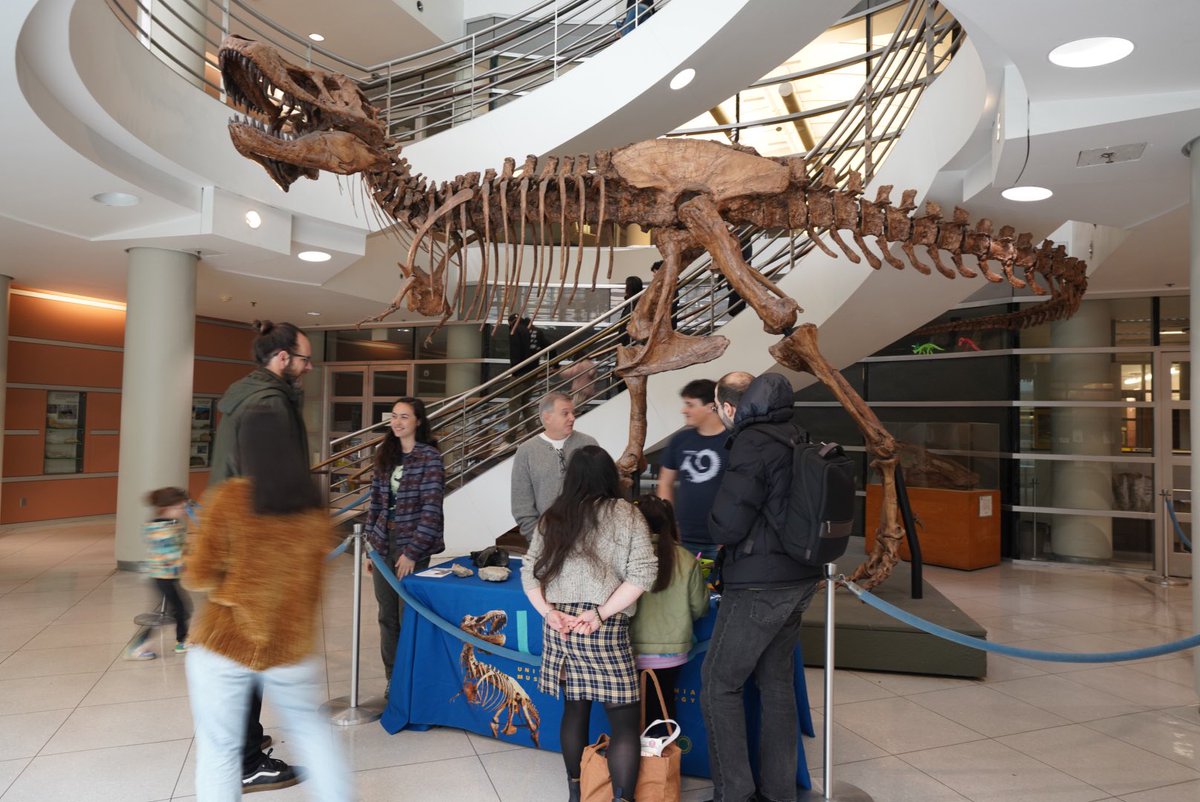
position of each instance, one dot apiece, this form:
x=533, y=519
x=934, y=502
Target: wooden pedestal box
x=956, y=528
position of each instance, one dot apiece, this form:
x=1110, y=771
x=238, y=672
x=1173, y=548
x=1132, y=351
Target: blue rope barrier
x=1016, y=651
x=466, y=637
x=1187, y=544
x=340, y=550
x=444, y=625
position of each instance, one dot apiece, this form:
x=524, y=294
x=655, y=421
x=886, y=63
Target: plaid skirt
x=598, y=667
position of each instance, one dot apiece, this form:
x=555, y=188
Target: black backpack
x=820, y=511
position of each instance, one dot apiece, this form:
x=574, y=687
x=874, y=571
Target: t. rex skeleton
x=489, y=687
x=689, y=192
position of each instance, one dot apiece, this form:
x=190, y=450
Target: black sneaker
x=268, y=775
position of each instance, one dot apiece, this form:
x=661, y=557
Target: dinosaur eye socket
x=302, y=80
x=331, y=85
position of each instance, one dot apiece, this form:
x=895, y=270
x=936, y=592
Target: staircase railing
x=482, y=427
x=419, y=93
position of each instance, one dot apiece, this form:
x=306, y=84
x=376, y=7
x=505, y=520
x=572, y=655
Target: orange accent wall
x=58, y=498
x=62, y=364
x=56, y=320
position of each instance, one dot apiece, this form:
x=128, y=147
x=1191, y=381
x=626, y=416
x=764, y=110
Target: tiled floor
x=78, y=723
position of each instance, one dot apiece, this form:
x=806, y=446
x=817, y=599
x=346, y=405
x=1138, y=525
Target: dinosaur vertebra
x=689, y=192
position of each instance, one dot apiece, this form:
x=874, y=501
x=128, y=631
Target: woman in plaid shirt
x=404, y=519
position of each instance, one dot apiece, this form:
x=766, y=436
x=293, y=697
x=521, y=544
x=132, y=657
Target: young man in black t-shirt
x=695, y=457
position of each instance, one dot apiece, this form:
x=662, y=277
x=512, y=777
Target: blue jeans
x=755, y=635
x=219, y=690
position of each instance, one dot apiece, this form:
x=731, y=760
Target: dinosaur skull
x=301, y=120
x=487, y=626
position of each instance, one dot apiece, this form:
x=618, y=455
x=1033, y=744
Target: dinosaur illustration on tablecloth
x=689, y=193
x=489, y=687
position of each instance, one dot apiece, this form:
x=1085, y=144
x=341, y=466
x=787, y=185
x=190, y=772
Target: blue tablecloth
x=428, y=684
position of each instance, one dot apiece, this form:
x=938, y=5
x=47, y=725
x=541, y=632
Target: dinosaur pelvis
x=671, y=353
x=676, y=166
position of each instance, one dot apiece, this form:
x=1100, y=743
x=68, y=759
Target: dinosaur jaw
x=287, y=156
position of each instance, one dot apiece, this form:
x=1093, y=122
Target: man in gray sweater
x=541, y=461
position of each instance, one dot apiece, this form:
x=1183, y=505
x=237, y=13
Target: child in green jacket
x=661, y=631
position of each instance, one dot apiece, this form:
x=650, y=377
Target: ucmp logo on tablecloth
x=489, y=687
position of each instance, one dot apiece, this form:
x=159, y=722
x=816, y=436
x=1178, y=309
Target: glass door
x=387, y=383
x=1173, y=396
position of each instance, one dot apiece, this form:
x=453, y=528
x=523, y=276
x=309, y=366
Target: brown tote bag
x=658, y=777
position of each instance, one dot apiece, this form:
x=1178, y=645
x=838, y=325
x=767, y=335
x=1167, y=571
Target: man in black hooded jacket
x=765, y=593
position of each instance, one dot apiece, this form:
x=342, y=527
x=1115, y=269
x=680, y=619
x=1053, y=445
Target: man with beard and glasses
x=284, y=355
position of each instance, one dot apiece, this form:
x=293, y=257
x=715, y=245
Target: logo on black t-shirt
x=700, y=466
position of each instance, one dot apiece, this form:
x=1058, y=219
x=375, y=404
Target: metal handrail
x=483, y=426
x=419, y=93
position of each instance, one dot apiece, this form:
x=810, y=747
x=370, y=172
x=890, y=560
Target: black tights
x=624, y=745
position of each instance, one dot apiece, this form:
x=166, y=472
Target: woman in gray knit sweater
x=589, y=561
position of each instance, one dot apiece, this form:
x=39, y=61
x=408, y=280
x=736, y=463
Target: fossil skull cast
x=301, y=120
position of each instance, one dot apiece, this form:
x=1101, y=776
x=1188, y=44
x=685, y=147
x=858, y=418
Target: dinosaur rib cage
x=516, y=206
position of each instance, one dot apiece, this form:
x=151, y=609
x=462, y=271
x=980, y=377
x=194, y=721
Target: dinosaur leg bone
x=701, y=217
x=665, y=349
x=799, y=351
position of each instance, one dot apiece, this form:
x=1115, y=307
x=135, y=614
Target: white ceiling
x=53, y=237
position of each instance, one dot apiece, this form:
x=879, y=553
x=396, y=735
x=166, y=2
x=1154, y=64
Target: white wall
x=444, y=18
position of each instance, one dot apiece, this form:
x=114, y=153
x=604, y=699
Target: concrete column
x=1082, y=485
x=176, y=35
x=156, y=387
x=5, y=283
x=1193, y=153
x=462, y=342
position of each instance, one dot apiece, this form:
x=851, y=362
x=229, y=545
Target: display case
x=202, y=432
x=952, y=474
x=65, y=413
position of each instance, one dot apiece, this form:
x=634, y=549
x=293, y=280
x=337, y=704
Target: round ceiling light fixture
x=1026, y=194
x=1093, y=52
x=316, y=37
x=683, y=78
x=253, y=219
x=314, y=256
x=116, y=199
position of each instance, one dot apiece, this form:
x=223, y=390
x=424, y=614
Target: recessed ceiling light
x=683, y=78
x=314, y=256
x=316, y=37
x=1026, y=194
x=1091, y=52
x=313, y=314
x=116, y=199
x=253, y=219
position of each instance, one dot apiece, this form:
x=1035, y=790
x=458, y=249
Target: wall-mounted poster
x=202, y=431
x=64, y=432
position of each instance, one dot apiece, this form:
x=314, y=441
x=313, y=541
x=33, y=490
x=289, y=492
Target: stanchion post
x=347, y=710
x=843, y=792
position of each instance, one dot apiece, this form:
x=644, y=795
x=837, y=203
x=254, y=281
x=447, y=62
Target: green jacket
x=663, y=623
x=260, y=389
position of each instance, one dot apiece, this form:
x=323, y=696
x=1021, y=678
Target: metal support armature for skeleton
x=690, y=193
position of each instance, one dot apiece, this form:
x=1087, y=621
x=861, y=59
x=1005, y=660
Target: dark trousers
x=252, y=748
x=755, y=635
x=177, y=606
x=391, y=609
x=668, y=678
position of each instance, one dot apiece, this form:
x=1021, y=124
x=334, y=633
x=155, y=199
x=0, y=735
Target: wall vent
x=1113, y=155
